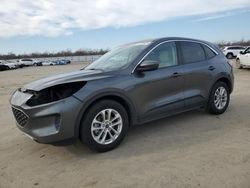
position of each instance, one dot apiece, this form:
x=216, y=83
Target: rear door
x=198, y=67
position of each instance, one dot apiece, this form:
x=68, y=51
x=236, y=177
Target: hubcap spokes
x=220, y=98
x=106, y=126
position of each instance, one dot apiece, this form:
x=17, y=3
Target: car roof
x=168, y=38
x=158, y=40
x=176, y=38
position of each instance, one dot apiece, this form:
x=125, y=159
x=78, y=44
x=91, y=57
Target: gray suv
x=132, y=84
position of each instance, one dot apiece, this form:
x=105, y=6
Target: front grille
x=21, y=117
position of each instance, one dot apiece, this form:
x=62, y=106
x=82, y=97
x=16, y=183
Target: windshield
x=118, y=58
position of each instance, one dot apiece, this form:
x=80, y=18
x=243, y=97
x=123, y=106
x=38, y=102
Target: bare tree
x=63, y=53
x=242, y=42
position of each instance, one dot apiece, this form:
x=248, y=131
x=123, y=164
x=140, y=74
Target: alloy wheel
x=106, y=126
x=220, y=98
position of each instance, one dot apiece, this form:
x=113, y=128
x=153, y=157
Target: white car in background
x=12, y=65
x=243, y=59
x=26, y=62
x=49, y=63
x=232, y=51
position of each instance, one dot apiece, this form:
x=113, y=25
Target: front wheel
x=104, y=126
x=219, y=98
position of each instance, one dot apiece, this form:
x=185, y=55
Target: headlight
x=54, y=93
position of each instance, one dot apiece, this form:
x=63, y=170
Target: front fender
x=102, y=94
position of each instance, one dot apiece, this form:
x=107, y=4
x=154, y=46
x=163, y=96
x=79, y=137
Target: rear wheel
x=219, y=98
x=104, y=126
x=229, y=56
x=238, y=65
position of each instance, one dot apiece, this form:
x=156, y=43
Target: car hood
x=76, y=76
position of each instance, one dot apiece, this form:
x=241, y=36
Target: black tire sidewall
x=229, y=55
x=211, y=106
x=85, y=131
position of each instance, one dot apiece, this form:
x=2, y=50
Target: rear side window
x=192, y=52
x=239, y=48
x=209, y=53
x=26, y=59
x=235, y=48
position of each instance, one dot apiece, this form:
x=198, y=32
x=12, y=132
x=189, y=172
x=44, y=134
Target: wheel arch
x=230, y=53
x=118, y=97
x=226, y=80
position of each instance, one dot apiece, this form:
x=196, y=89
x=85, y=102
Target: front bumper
x=46, y=123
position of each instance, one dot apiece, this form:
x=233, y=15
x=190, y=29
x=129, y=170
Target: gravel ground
x=193, y=149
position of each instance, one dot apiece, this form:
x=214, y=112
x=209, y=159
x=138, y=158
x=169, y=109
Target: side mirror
x=148, y=65
x=242, y=53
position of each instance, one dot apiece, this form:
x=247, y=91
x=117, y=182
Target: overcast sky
x=52, y=25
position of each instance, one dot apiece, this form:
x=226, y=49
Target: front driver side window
x=165, y=54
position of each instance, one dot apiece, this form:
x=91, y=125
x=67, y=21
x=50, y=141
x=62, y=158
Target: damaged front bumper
x=46, y=123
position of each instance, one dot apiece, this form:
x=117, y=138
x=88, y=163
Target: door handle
x=211, y=68
x=175, y=75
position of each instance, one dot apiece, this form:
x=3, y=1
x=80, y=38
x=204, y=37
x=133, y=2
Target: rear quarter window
x=209, y=53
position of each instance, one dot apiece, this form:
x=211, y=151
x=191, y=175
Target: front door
x=160, y=92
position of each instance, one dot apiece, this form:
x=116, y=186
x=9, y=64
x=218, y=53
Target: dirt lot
x=193, y=149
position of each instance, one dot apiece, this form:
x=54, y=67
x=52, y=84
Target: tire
x=94, y=138
x=214, y=107
x=230, y=56
x=238, y=65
